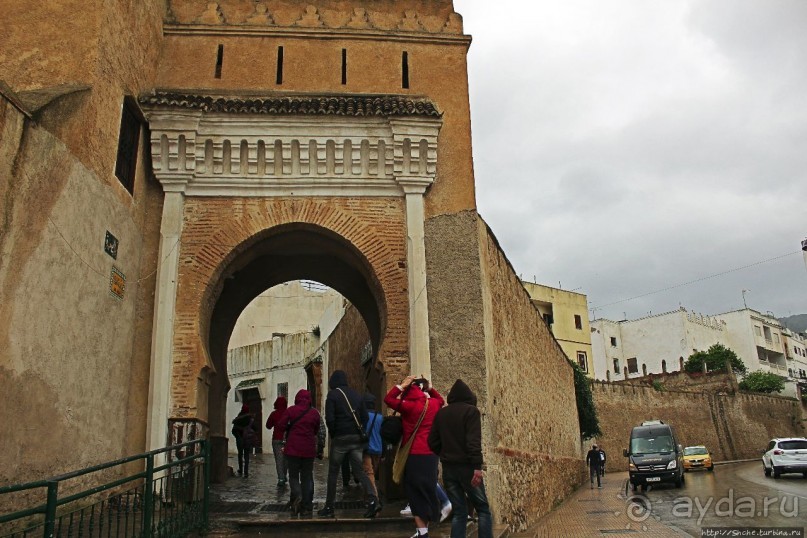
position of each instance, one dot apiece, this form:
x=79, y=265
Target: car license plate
x=696, y=464
x=654, y=479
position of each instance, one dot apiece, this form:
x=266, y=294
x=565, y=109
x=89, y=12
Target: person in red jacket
x=276, y=421
x=420, y=472
x=302, y=427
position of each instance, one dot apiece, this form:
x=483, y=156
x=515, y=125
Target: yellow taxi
x=697, y=457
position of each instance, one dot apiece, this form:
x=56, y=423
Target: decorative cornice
x=433, y=19
x=325, y=105
x=292, y=146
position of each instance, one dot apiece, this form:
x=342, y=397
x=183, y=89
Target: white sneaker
x=445, y=511
x=407, y=512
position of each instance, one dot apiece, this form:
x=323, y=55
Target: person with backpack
x=245, y=438
x=372, y=454
x=301, y=427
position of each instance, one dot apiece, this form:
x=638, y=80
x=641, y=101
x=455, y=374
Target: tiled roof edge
x=315, y=105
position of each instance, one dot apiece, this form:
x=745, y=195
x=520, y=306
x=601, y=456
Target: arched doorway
x=274, y=256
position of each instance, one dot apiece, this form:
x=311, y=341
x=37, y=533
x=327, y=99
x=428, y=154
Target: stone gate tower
x=299, y=141
x=163, y=162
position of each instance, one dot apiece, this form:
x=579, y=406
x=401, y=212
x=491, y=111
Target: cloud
x=642, y=145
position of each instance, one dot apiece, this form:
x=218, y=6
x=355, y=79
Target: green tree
x=760, y=381
x=715, y=358
x=586, y=412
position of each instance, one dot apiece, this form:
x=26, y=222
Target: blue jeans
x=457, y=481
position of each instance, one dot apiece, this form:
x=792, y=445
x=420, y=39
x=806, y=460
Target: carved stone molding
x=204, y=146
x=266, y=13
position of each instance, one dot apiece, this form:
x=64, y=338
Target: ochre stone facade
x=208, y=228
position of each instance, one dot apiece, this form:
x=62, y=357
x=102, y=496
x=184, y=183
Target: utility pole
x=804, y=250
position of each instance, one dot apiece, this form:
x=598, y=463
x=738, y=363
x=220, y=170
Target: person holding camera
x=418, y=404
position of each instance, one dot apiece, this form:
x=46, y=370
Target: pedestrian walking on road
x=276, y=422
x=594, y=462
x=456, y=437
x=245, y=437
x=602, y=461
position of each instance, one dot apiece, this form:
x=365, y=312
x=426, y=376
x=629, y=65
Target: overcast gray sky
x=624, y=147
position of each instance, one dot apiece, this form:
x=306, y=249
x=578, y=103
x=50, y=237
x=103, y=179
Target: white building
x=653, y=344
x=275, y=341
x=661, y=343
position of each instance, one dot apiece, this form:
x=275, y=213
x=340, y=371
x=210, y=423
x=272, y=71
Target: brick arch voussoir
x=381, y=243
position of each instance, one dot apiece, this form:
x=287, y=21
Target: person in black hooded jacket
x=346, y=434
x=456, y=436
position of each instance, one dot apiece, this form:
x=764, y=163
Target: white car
x=786, y=455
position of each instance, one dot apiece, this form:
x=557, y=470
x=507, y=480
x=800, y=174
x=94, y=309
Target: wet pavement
x=256, y=506
x=733, y=495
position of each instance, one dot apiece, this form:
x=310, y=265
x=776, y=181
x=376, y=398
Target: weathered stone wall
x=58, y=319
x=732, y=426
x=77, y=59
x=456, y=324
x=345, y=345
x=715, y=381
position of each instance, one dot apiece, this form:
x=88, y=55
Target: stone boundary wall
x=732, y=426
x=532, y=426
x=714, y=381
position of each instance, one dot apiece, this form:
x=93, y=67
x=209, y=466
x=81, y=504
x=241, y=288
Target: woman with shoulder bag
x=415, y=463
x=301, y=430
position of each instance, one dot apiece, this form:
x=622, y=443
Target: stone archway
x=286, y=252
x=264, y=190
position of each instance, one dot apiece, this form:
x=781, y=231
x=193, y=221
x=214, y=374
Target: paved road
x=734, y=495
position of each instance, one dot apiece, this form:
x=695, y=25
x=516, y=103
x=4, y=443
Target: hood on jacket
x=369, y=401
x=338, y=379
x=461, y=393
x=303, y=398
x=281, y=403
x=413, y=392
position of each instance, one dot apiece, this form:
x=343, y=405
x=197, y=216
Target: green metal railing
x=164, y=500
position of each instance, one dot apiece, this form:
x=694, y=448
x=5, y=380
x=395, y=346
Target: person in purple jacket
x=302, y=446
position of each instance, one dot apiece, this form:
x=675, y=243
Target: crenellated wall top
x=390, y=16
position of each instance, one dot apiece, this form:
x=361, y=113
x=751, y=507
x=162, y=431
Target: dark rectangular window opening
x=578, y=322
x=128, y=140
x=283, y=390
x=581, y=361
x=405, y=70
x=633, y=366
x=344, y=66
x=279, y=78
x=613, y=341
x=219, y=60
